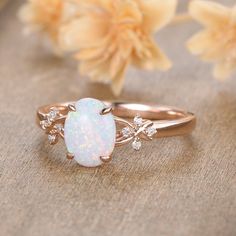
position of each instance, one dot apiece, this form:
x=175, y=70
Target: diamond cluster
x=53, y=129
x=49, y=118
x=140, y=127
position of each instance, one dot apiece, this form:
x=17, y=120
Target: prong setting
x=71, y=107
x=106, y=159
x=70, y=156
x=106, y=110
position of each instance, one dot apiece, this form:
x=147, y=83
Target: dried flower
x=217, y=42
x=47, y=16
x=110, y=35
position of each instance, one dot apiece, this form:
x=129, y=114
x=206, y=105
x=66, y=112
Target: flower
x=110, y=35
x=46, y=16
x=217, y=42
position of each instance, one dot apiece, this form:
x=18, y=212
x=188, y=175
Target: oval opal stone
x=88, y=134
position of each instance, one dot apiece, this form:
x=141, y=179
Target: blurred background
x=176, y=186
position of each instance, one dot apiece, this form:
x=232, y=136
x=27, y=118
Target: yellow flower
x=47, y=16
x=43, y=15
x=109, y=35
x=217, y=42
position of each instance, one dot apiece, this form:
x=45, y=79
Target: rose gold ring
x=92, y=128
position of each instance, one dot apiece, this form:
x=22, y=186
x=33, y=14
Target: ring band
x=92, y=128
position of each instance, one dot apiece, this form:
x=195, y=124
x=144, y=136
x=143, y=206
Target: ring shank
x=169, y=121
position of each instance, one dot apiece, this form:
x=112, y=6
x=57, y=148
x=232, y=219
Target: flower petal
x=85, y=32
x=99, y=4
x=154, y=58
x=99, y=73
x=71, y=9
x=223, y=70
x=127, y=12
x=26, y=13
x=118, y=81
x=201, y=42
x=209, y=13
x=97, y=69
x=209, y=45
x=90, y=53
x=233, y=15
x=157, y=13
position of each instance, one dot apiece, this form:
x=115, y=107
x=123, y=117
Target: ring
x=92, y=128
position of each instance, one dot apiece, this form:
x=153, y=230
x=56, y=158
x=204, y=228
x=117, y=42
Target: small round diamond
x=58, y=127
x=126, y=132
x=52, y=138
x=45, y=124
x=136, y=144
x=138, y=121
x=53, y=114
x=151, y=131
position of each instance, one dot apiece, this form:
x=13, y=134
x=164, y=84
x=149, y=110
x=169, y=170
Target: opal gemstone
x=88, y=134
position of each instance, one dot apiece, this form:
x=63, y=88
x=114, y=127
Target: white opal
x=88, y=134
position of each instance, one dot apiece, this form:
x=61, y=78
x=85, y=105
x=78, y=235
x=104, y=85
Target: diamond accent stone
x=53, y=113
x=45, y=124
x=151, y=131
x=52, y=138
x=138, y=121
x=136, y=144
x=126, y=132
x=58, y=127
